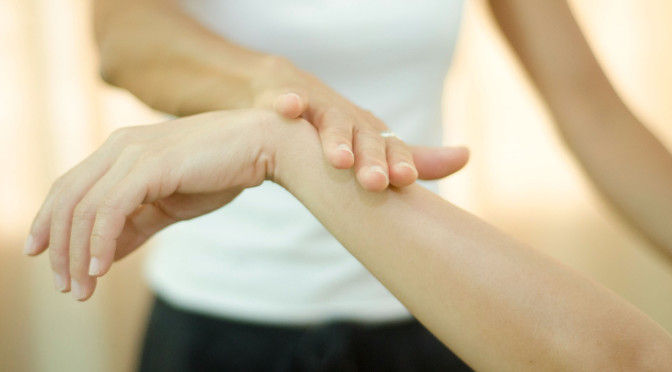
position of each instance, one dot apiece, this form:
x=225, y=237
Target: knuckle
x=62, y=207
x=331, y=116
x=131, y=151
x=343, y=128
x=337, y=135
x=399, y=147
x=375, y=162
x=77, y=258
x=121, y=135
x=368, y=115
x=372, y=119
x=373, y=153
x=277, y=63
x=57, y=259
x=118, y=136
x=151, y=158
x=371, y=137
x=106, y=209
x=59, y=185
x=84, y=210
x=97, y=238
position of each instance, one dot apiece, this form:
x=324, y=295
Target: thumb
x=288, y=104
x=438, y=162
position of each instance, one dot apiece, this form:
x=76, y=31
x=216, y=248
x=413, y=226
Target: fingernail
x=345, y=147
x=77, y=290
x=29, y=247
x=458, y=148
x=379, y=169
x=407, y=165
x=293, y=95
x=284, y=98
x=59, y=283
x=95, y=267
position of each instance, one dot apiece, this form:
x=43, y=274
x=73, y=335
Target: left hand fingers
x=82, y=283
x=123, y=201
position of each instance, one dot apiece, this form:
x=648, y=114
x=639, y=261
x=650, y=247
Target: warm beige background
x=54, y=111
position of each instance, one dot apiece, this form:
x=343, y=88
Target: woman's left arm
x=497, y=304
x=621, y=156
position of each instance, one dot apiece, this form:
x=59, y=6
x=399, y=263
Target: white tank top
x=264, y=257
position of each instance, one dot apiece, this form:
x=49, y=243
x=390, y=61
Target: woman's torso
x=264, y=257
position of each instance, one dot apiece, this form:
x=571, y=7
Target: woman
x=497, y=304
x=264, y=259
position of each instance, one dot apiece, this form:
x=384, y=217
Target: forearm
x=497, y=304
x=620, y=155
x=169, y=61
x=627, y=164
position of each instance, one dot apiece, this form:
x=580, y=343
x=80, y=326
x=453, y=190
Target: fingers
x=371, y=160
x=84, y=214
x=400, y=162
x=140, y=225
x=290, y=105
x=336, y=129
x=74, y=183
x=438, y=162
x=52, y=225
x=111, y=217
x=38, y=237
x=59, y=234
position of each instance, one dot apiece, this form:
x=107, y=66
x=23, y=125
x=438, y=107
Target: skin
x=630, y=167
x=172, y=63
x=169, y=154
x=496, y=303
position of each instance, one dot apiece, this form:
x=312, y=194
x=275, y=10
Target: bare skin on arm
x=497, y=304
x=174, y=64
x=180, y=163
x=629, y=166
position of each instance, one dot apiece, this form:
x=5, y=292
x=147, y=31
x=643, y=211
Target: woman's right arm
x=169, y=61
x=174, y=64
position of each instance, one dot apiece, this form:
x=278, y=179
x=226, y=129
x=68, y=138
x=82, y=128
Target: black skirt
x=178, y=340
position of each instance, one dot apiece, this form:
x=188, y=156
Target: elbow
x=107, y=73
x=109, y=62
x=113, y=40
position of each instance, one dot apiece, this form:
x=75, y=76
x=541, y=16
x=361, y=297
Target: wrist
x=295, y=147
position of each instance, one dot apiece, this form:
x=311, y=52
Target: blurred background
x=54, y=110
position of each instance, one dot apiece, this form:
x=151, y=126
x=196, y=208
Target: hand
x=341, y=125
x=141, y=180
x=145, y=178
